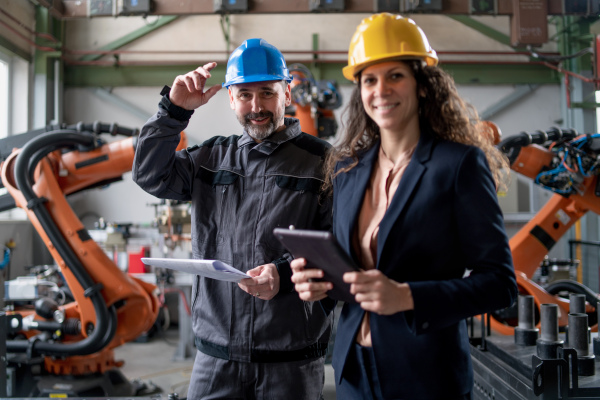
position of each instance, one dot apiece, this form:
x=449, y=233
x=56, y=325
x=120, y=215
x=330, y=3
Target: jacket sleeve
x=491, y=283
x=157, y=167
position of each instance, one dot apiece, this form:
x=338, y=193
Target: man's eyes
x=248, y=96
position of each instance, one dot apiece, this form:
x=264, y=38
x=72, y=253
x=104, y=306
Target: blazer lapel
x=415, y=169
x=351, y=198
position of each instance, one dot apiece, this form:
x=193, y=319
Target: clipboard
x=321, y=250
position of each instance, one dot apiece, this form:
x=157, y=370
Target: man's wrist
x=285, y=275
x=176, y=112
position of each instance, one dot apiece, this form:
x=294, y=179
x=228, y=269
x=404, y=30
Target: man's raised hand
x=188, y=90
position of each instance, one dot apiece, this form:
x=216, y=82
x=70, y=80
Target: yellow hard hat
x=383, y=37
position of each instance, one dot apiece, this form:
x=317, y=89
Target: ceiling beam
x=80, y=8
x=131, y=37
x=482, y=28
x=520, y=92
x=473, y=73
x=125, y=105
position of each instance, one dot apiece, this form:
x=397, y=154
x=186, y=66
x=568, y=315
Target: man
x=256, y=339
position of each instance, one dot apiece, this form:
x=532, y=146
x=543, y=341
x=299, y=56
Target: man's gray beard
x=259, y=132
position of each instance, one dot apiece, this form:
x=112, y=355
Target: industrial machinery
x=313, y=102
x=548, y=353
x=67, y=349
x=568, y=165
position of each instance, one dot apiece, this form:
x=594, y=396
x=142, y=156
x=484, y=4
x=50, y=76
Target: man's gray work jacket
x=240, y=190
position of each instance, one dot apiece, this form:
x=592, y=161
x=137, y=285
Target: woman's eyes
x=392, y=77
x=368, y=80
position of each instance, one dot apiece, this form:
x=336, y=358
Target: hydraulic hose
x=511, y=146
x=106, y=321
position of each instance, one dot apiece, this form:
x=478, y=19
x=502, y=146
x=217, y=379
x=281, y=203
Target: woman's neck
x=396, y=144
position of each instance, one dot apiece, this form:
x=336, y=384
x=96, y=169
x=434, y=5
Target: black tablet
x=321, y=250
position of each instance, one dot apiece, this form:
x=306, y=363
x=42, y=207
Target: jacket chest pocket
x=311, y=185
x=218, y=216
x=293, y=201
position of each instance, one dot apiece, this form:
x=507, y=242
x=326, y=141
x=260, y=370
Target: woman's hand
x=307, y=289
x=377, y=293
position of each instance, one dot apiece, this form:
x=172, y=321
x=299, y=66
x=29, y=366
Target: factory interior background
x=64, y=62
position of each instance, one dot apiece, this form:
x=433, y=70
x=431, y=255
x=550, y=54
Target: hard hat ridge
x=255, y=60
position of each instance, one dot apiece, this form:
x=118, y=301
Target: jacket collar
x=267, y=146
x=358, y=178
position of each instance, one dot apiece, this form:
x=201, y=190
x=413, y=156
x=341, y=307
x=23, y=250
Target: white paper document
x=214, y=269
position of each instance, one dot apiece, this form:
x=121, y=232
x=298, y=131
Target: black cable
x=582, y=52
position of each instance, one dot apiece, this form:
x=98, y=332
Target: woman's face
x=389, y=95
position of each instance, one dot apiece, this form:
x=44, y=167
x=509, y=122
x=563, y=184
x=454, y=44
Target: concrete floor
x=159, y=363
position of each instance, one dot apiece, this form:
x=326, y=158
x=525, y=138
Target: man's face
x=260, y=106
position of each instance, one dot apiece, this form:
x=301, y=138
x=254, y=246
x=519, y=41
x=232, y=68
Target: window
x=4, y=95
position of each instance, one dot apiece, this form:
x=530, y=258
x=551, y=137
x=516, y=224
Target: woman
x=414, y=189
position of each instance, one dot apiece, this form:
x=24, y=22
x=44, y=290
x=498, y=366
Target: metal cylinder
x=578, y=335
x=526, y=312
x=576, y=303
x=526, y=334
x=576, y=306
x=579, y=341
x=549, y=318
x=596, y=341
x=548, y=344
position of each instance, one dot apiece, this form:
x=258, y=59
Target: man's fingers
x=185, y=80
x=212, y=91
x=194, y=81
x=261, y=280
x=246, y=282
x=209, y=66
x=204, y=71
x=202, y=74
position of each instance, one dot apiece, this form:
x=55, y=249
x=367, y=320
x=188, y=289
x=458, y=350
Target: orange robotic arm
x=110, y=307
x=562, y=162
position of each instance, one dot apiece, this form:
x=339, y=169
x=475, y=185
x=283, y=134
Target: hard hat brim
x=256, y=78
x=351, y=72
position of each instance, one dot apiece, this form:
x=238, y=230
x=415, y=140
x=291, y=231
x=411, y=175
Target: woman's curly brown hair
x=441, y=111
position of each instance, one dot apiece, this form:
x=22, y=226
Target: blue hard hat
x=256, y=61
